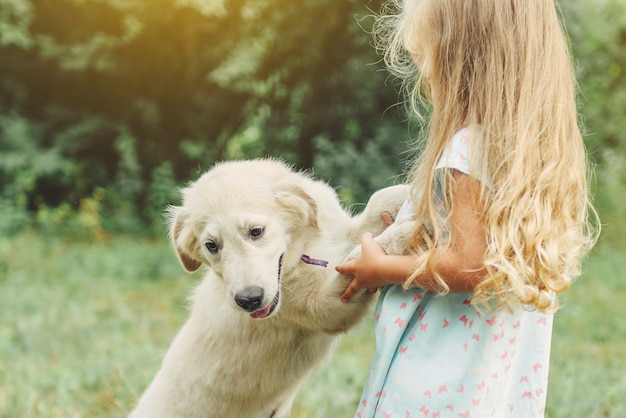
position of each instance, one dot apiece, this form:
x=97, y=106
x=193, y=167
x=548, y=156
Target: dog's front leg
x=319, y=308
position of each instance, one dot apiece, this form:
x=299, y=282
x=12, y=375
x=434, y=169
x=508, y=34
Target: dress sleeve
x=456, y=153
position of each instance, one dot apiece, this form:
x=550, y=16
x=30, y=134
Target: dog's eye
x=212, y=247
x=257, y=232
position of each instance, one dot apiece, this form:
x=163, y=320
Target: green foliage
x=598, y=37
x=358, y=171
x=163, y=191
x=15, y=19
x=135, y=93
x=131, y=86
x=26, y=166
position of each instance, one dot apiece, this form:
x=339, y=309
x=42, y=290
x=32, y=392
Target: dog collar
x=313, y=261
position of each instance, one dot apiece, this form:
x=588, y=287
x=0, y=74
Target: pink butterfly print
x=542, y=320
x=539, y=392
x=387, y=414
x=443, y=388
x=511, y=407
x=408, y=414
x=428, y=394
x=523, y=379
x=364, y=402
x=403, y=350
x=467, y=302
x=423, y=327
x=481, y=385
x=412, y=337
x=517, y=324
x=476, y=337
x=461, y=389
x=491, y=321
x=465, y=346
x=528, y=395
x=417, y=296
x=537, y=366
x=464, y=320
x=403, y=306
x=399, y=322
x=465, y=414
x=421, y=316
x=450, y=407
x=381, y=394
x=425, y=411
x=436, y=414
x=445, y=323
x=475, y=402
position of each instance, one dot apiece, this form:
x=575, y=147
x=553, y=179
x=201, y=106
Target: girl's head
x=502, y=65
x=467, y=54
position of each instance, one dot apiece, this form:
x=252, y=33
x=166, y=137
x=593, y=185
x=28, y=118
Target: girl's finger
x=345, y=268
x=350, y=291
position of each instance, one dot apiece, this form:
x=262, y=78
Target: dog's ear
x=297, y=204
x=183, y=240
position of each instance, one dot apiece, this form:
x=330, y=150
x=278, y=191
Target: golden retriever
x=268, y=309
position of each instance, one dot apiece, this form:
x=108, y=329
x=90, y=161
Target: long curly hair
x=503, y=66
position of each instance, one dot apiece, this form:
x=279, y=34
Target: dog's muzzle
x=251, y=298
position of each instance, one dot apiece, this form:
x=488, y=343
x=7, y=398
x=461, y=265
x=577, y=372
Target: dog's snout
x=250, y=298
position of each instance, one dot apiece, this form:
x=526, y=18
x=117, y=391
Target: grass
x=84, y=327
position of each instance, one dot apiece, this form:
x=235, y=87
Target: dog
x=268, y=310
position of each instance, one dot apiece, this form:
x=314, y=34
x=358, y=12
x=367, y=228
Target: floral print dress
x=439, y=356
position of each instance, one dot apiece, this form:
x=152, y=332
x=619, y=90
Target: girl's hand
x=365, y=268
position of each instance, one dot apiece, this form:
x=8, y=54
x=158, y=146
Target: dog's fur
x=250, y=222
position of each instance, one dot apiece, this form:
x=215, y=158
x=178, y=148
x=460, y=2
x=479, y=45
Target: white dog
x=269, y=308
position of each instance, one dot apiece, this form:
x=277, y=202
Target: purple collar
x=313, y=261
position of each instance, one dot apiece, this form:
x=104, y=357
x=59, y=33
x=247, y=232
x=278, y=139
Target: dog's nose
x=250, y=298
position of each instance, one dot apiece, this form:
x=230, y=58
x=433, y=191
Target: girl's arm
x=458, y=262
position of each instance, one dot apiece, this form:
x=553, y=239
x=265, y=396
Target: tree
x=117, y=88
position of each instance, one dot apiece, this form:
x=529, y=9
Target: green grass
x=84, y=327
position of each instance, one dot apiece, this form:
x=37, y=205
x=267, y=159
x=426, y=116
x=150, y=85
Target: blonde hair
x=504, y=66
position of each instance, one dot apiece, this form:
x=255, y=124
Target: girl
x=500, y=194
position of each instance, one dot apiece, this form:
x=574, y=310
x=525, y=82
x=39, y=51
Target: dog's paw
x=397, y=238
x=384, y=202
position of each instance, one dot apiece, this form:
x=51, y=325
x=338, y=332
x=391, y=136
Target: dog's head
x=239, y=219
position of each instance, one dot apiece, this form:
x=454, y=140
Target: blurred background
x=108, y=107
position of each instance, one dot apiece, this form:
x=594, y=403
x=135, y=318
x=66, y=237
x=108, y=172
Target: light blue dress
x=439, y=356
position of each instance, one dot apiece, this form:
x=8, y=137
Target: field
x=84, y=327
